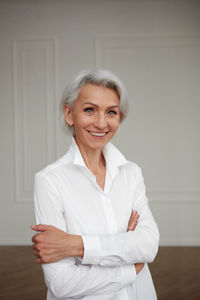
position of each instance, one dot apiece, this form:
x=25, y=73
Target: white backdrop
x=154, y=47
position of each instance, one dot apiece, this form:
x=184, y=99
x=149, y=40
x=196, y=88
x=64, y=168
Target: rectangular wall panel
x=34, y=111
x=161, y=134
x=162, y=75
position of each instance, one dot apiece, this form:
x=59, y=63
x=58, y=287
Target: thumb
x=40, y=227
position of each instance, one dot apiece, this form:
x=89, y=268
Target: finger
x=37, y=238
x=34, y=246
x=132, y=225
x=135, y=216
x=41, y=227
x=133, y=220
x=131, y=217
x=42, y=260
x=132, y=228
x=36, y=253
x=34, y=239
x=38, y=261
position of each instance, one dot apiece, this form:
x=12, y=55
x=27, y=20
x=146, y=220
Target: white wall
x=154, y=46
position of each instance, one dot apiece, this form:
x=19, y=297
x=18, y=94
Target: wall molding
x=105, y=43
x=174, y=197
x=33, y=62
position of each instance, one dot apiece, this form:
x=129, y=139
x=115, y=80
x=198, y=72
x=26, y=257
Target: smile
x=97, y=133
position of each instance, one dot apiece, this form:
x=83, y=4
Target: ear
x=68, y=115
x=121, y=116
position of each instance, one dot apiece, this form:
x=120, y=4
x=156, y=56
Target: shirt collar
x=75, y=153
x=112, y=155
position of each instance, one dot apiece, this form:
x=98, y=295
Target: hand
x=131, y=227
x=138, y=267
x=133, y=221
x=52, y=244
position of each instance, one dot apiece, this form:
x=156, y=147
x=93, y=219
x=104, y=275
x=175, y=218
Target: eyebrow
x=90, y=103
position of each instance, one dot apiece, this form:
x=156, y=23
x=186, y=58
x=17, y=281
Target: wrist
x=80, y=246
x=77, y=246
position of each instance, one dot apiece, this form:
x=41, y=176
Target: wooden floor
x=176, y=274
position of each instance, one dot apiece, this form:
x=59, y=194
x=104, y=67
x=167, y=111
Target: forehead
x=98, y=95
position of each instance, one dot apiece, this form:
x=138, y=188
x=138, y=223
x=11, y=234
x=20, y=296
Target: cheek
x=115, y=124
x=80, y=121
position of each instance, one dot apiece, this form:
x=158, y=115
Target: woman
x=96, y=232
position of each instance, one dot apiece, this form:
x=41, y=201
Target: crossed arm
x=52, y=244
x=63, y=278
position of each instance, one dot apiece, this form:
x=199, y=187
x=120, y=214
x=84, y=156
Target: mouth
x=98, y=134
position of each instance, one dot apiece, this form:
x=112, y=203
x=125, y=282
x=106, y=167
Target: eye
x=112, y=112
x=89, y=109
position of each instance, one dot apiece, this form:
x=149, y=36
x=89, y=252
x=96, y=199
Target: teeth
x=97, y=133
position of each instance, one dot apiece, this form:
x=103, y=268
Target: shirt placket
x=107, y=203
x=110, y=218
x=111, y=223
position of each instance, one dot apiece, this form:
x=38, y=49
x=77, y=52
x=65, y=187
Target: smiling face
x=95, y=116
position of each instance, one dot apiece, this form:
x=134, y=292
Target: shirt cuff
x=92, y=250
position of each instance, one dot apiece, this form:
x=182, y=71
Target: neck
x=93, y=158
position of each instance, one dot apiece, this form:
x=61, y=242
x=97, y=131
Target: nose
x=101, y=121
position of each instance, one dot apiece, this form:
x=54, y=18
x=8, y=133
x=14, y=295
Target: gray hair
x=98, y=77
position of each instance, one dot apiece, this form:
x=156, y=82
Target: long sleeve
x=66, y=278
x=140, y=245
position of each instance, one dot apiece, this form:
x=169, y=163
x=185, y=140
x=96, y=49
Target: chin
x=97, y=145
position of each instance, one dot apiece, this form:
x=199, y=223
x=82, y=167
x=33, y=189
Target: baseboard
x=182, y=242
x=163, y=242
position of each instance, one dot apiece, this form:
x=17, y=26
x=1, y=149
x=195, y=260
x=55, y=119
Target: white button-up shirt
x=67, y=196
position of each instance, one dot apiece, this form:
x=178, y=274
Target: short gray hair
x=98, y=77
